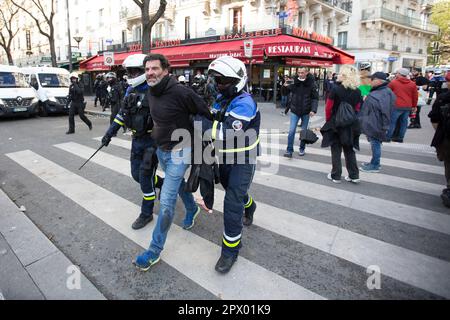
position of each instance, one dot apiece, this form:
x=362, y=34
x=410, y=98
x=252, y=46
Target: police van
x=17, y=98
x=52, y=87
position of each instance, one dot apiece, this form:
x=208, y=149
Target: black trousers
x=350, y=161
x=443, y=154
x=80, y=108
x=114, y=111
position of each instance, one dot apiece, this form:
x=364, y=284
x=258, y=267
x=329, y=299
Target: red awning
x=278, y=46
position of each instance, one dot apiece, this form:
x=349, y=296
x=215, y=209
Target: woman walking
x=343, y=137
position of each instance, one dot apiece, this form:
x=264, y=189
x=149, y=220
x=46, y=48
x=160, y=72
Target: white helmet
x=230, y=67
x=74, y=75
x=135, y=61
x=181, y=79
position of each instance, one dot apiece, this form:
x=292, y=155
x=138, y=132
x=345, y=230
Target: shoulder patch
x=237, y=125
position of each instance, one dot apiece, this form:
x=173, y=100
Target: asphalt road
x=310, y=239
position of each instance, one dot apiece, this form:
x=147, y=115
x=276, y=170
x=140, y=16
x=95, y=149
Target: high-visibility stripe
x=231, y=245
x=249, y=203
x=150, y=198
x=232, y=239
x=214, y=130
x=253, y=146
x=118, y=122
x=156, y=179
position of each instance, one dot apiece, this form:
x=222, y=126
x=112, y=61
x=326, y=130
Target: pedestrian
x=329, y=83
x=375, y=118
x=135, y=114
x=236, y=118
x=440, y=119
x=115, y=94
x=407, y=97
x=98, y=97
x=284, y=92
x=435, y=85
x=365, y=81
x=421, y=101
x=304, y=104
x=172, y=106
x=77, y=104
x=345, y=94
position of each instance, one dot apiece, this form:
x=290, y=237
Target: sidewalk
x=31, y=266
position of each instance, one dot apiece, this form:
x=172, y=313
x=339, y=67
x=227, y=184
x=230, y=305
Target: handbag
x=345, y=115
x=308, y=136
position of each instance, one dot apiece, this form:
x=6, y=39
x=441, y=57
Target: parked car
x=17, y=98
x=52, y=87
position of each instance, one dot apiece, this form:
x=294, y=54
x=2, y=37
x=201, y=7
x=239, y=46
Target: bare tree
x=147, y=22
x=7, y=31
x=44, y=16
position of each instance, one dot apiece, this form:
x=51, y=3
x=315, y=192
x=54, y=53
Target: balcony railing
x=389, y=15
x=346, y=5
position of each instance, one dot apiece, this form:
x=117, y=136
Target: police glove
x=106, y=140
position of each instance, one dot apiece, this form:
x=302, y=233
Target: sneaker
x=355, y=181
x=397, y=140
x=288, y=154
x=189, y=221
x=369, y=168
x=283, y=114
x=141, y=222
x=366, y=164
x=301, y=153
x=225, y=263
x=445, y=196
x=146, y=260
x=329, y=177
x=248, y=214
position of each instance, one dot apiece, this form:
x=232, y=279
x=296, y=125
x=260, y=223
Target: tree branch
x=159, y=13
x=32, y=17
x=139, y=3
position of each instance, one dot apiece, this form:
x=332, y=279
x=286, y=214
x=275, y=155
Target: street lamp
x=78, y=39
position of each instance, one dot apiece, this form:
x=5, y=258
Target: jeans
x=376, y=152
x=292, y=129
x=403, y=115
x=174, y=164
x=284, y=100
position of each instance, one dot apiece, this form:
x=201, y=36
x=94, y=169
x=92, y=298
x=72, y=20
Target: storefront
x=275, y=52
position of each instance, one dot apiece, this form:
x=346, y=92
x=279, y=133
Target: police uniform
x=135, y=115
x=115, y=97
x=235, y=130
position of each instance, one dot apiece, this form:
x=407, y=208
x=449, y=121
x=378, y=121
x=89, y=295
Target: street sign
x=108, y=58
x=248, y=48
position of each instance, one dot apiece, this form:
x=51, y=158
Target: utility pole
x=68, y=33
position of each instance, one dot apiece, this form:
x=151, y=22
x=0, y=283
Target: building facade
x=389, y=34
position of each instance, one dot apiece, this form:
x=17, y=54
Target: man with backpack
x=440, y=119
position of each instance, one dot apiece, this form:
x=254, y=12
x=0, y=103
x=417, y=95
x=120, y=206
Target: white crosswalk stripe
x=181, y=245
x=408, y=266
x=250, y=280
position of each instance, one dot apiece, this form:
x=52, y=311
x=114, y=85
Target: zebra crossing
x=419, y=272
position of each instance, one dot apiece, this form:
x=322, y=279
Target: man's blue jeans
x=376, y=152
x=284, y=100
x=292, y=129
x=174, y=164
x=403, y=115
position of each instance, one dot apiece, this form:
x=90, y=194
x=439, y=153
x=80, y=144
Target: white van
x=16, y=95
x=52, y=86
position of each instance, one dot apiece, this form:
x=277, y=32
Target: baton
x=92, y=156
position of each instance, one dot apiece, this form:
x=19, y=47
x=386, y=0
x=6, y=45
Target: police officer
x=115, y=94
x=76, y=100
x=135, y=114
x=236, y=131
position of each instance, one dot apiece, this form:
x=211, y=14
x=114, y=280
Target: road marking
x=249, y=280
x=360, y=157
x=402, y=264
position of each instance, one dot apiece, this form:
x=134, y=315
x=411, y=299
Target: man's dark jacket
x=305, y=96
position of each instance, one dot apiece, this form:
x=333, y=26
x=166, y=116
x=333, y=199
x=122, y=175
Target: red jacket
x=406, y=92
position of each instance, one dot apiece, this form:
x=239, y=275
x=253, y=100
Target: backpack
x=345, y=115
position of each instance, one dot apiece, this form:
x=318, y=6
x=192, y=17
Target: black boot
x=70, y=132
x=141, y=222
x=225, y=263
x=248, y=214
x=445, y=196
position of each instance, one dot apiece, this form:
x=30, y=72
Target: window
x=77, y=25
x=137, y=36
x=301, y=16
x=330, y=29
x=316, y=25
x=342, y=39
x=187, y=28
x=237, y=20
x=158, y=31
x=124, y=36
